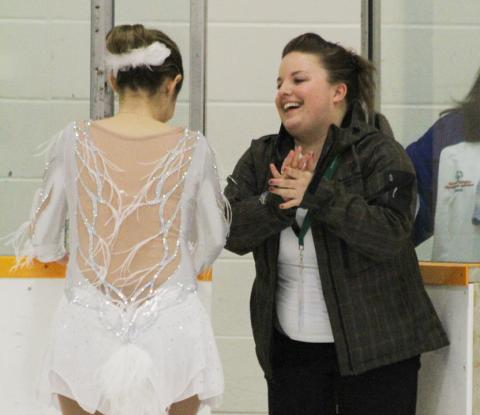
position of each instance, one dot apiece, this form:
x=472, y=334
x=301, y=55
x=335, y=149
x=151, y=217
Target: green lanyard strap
x=301, y=232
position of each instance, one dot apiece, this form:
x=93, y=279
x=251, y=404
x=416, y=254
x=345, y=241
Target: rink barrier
x=433, y=273
x=449, y=273
x=52, y=270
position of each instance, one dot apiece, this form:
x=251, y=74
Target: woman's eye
x=298, y=81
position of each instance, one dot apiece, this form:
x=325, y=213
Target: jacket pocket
x=353, y=183
x=354, y=262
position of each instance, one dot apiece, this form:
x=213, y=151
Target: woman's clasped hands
x=292, y=181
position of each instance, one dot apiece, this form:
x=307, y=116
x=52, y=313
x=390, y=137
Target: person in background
x=338, y=308
x=146, y=216
x=448, y=173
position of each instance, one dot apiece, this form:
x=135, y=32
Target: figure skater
x=146, y=215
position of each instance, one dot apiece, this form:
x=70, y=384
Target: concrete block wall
x=429, y=56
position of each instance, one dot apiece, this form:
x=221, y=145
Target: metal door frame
x=102, y=21
x=371, y=41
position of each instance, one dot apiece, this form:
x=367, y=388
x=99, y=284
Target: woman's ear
x=113, y=82
x=340, y=92
x=172, y=84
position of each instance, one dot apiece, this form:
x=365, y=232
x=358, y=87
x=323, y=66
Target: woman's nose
x=285, y=89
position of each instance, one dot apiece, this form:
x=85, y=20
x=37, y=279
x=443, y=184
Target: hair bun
x=142, y=58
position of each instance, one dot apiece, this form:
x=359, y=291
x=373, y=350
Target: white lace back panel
x=128, y=212
x=146, y=216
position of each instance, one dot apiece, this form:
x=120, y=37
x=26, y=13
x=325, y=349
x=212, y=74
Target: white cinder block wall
x=430, y=55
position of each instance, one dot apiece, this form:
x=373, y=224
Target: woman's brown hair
x=124, y=38
x=342, y=65
x=470, y=109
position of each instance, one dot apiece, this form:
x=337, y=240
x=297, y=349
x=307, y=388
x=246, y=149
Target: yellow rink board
x=51, y=270
x=449, y=273
x=433, y=273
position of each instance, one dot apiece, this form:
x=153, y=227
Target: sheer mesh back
x=128, y=215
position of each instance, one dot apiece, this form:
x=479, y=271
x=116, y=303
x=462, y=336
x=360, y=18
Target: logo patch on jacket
x=395, y=190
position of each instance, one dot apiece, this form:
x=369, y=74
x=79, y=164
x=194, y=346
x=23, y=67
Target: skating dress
x=145, y=216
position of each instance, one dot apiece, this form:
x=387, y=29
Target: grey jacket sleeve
x=372, y=212
x=252, y=221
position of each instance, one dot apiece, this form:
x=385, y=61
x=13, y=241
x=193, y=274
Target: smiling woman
x=306, y=101
x=338, y=308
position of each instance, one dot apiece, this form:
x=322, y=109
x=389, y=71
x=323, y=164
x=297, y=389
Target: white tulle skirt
x=174, y=359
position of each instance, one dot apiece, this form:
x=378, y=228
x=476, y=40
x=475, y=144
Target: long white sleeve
x=210, y=221
x=43, y=236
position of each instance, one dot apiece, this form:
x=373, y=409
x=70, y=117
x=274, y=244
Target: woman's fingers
x=306, y=162
x=294, y=179
x=274, y=171
x=295, y=159
x=291, y=203
x=297, y=156
x=283, y=183
x=291, y=183
x=287, y=161
x=298, y=174
x=291, y=189
x=286, y=194
x=292, y=159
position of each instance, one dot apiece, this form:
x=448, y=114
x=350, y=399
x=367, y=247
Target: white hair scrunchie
x=151, y=55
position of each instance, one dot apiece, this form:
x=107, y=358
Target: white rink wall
x=429, y=56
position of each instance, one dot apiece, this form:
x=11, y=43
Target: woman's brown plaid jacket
x=362, y=225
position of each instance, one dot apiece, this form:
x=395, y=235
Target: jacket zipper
x=323, y=160
x=343, y=248
x=342, y=325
